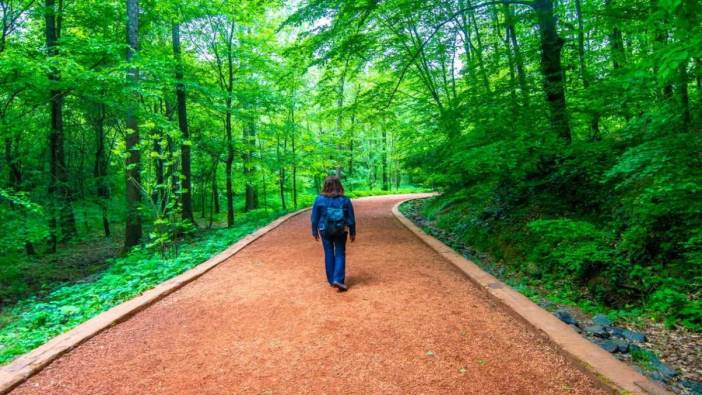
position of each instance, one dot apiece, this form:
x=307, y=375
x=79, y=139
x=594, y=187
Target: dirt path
x=266, y=322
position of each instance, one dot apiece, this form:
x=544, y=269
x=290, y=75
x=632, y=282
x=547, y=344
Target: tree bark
x=186, y=199
x=133, y=229
x=100, y=169
x=294, y=156
x=251, y=202
x=518, y=58
x=384, y=151
x=553, y=78
x=59, y=190
x=584, y=76
x=281, y=172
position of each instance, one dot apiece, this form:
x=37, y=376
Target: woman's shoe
x=341, y=287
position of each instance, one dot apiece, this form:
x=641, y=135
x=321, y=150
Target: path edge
x=590, y=358
x=29, y=364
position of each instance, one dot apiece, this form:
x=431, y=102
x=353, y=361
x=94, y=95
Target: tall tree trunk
x=12, y=160
x=133, y=230
x=15, y=178
x=340, y=117
x=159, y=196
x=386, y=184
x=479, y=51
x=215, y=190
x=100, y=169
x=584, y=76
x=281, y=173
x=616, y=42
x=186, y=199
x=251, y=202
x=518, y=58
x=58, y=183
x=553, y=77
x=294, y=156
x=229, y=163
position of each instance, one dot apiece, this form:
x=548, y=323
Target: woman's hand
x=353, y=238
x=316, y=237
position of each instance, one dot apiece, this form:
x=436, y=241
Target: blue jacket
x=319, y=211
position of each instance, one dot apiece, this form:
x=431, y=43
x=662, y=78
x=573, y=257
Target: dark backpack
x=335, y=220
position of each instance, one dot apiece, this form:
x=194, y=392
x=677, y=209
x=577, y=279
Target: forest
x=139, y=137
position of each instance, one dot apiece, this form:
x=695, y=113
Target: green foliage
x=33, y=321
x=576, y=250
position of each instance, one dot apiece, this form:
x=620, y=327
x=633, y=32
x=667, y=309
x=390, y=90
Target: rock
x=616, y=331
x=622, y=345
x=692, y=386
x=627, y=334
x=634, y=336
x=666, y=371
x=596, y=330
x=602, y=320
x=613, y=345
x=608, y=345
x=565, y=316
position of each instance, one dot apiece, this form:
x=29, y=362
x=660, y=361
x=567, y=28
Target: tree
x=133, y=230
x=186, y=185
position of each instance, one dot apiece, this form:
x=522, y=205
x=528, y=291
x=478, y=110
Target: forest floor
x=265, y=321
x=680, y=347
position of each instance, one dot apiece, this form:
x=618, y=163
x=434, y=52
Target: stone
x=608, y=345
x=666, y=371
x=565, y=316
x=596, y=330
x=622, y=345
x=627, y=334
x=576, y=328
x=602, y=320
x=692, y=386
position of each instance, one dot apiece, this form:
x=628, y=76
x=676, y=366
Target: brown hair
x=333, y=187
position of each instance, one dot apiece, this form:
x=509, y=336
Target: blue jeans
x=335, y=257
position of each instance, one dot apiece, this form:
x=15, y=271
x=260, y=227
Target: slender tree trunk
x=294, y=157
x=386, y=184
x=229, y=163
x=12, y=160
x=479, y=51
x=554, y=79
x=616, y=43
x=518, y=58
x=215, y=189
x=160, y=193
x=281, y=173
x=15, y=179
x=251, y=202
x=58, y=183
x=584, y=76
x=186, y=187
x=100, y=169
x=133, y=230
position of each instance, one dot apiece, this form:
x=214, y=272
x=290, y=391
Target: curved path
x=266, y=322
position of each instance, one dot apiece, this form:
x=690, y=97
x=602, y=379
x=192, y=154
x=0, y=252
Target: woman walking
x=332, y=215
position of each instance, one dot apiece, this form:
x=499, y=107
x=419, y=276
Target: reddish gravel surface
x=265, y=321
